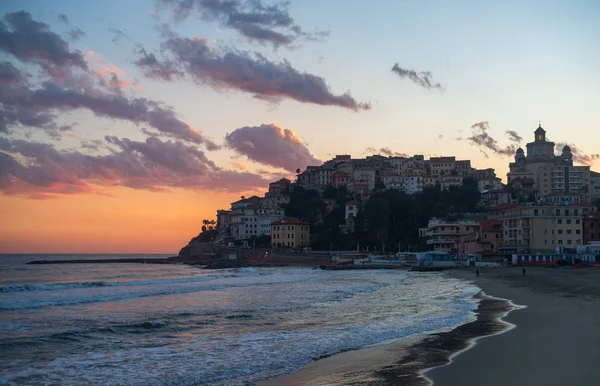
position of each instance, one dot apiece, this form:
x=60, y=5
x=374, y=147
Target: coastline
x=500, y=347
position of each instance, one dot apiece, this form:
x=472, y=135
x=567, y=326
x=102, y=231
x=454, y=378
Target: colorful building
x=290, y=232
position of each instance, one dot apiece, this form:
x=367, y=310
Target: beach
x=545, y=334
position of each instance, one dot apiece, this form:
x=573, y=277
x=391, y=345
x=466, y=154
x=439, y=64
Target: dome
x=566, y=149
x=520, y=151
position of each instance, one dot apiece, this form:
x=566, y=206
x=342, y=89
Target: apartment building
x=340, y=178
x=450, y=236
x=449, y=181
x=463, y=168
x=290, y=232
x=441, y=166
x=366, y=176
x=542, y=228
x=413, y=184
x=393, y=180
x=493, y=183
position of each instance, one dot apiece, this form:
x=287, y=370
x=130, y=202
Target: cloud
x=422, y=78
x=481, y=138
x=10, y=75
x=38, y=170
x=513, y=136
x=33, y=42
x=76, y=34
x=245, y=72
x=24, y=105
x=37, y=107
x=63, y=19
x=265, y=24
x=238, y=165
x=385, y=151
x=152, y=68
x=271, y=145
x=578, y=155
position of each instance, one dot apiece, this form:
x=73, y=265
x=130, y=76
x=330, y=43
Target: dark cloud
x=76, y=34
x=481, y=138
x=154, y=69
x=63, y=19
x=513, y=136
x=33, y=42
x=578, y=155
x=271, y=145
x=152, y=164
x=10, y=75
x=118, y=35
x=422, y=78
x=37, y=107
x=385, y=151
x=250, y=73
x=270, y=24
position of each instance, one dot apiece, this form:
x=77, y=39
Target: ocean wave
x=94, y=284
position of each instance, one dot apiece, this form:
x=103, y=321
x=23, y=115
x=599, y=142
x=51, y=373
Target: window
x=559, y=221
x=577, y=221
x=560, y=231
x=559, y=242
x=535, y=212
x=568, y=221
x=569, y=242
x=566, y=212
x=568, y=231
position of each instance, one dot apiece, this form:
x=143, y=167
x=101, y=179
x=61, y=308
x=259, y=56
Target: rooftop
x=290, y=221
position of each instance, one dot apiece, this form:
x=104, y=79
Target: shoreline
x=552, y=339
x=406, y=361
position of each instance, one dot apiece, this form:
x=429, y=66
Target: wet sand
x=556, y=340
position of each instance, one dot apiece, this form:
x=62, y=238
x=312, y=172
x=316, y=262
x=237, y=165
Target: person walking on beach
x=477, y=273
x=523, y=271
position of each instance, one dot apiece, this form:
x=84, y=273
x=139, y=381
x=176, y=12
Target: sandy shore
x=556, y=340
x=557, y=337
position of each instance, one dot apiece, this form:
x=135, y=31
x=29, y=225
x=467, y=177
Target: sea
x=147, y=324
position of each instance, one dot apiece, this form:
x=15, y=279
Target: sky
x=124, y=124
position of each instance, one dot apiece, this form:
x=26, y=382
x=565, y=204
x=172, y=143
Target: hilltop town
x=395, y=203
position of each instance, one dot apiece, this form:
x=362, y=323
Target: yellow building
x=542, y=228
x=290, y=232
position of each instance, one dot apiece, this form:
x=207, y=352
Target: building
x=366, y=176
x=274, y=201
x=550, y=173
x=350, y=212
x=393, y=180
x=265, y=218
x=591, y=227
x=340, y=178
x=490, y=198
x=450, y=236
x=463, y=168
x=290, y=232
x=594, y=186
x=483, y=174
x=223, y=221
x=441, y=166
x=413, y=184
x=542, y=228
x=491, y=235
x=491, y=183
x=279, y=187
x=449, y=181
